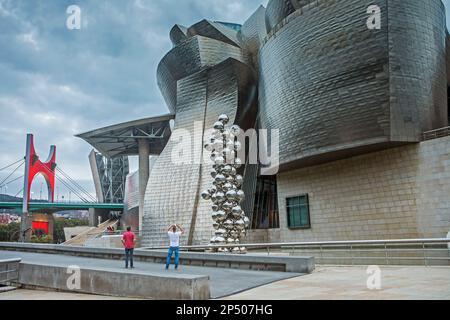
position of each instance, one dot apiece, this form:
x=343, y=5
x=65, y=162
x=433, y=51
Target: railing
x=384, y=252
x=9, y=271
x=435, y=134
x=116, y=233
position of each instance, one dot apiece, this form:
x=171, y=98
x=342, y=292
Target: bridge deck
x=35, y=206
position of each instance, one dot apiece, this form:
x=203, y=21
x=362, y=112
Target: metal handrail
x=437, y=133
x=309, y=244
x=115, y=233
x=351, y=251
x=8, y=271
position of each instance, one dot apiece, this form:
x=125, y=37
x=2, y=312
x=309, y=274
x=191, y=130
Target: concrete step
x=7, y=289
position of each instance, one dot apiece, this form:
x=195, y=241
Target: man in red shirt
x=128, y=240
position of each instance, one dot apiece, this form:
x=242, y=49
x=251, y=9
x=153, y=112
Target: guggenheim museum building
x=361, y=111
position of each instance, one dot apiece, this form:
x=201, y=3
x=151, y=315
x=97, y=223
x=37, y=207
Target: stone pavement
x=23, y=294
x=223, y=282
x=350, y=283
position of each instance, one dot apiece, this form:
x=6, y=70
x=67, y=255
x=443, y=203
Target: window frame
x=306, y=227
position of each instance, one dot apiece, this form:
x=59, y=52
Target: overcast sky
x=56, y=83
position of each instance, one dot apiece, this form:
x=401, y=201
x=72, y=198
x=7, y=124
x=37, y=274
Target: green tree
x=9, y=232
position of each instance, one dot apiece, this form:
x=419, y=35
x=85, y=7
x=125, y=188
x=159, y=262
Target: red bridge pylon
x=34, y=166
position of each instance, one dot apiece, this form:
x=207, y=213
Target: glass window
x=298, y=212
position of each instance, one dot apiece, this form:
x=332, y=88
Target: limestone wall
x=396, y=193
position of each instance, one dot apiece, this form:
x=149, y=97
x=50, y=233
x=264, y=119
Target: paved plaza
x=23, y=294
x=223, y=281
x=350, y=283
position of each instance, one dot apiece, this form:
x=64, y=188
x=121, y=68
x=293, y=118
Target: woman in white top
x=174, y=237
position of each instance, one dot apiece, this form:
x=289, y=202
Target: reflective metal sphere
x=219, y=125
x=227, y=169
x=235, y=130
x=237, y=146
x=246, y=221
x=221, y=216
x=234, y=234
x=239, y=180
x=226, y=134
x=224, y=118
x=215, y=207
x=226, y=152
x=214, y=155
x=240, y=195
x=220, y=196
x=227, y=186
x=227, y=206
x=231, y=195
x=220, y=240
x=220, y=232
x=216, y=225
x=209, y=146
x=220, y=178
x=237, y=210
x=237, y=163
x=206, y=195
x=239, y=224
x=218, y=145
x=228, y=224
x=219, y=160
x=216, y=134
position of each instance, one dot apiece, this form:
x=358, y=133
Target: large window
x=265, y=210
x=298, y=212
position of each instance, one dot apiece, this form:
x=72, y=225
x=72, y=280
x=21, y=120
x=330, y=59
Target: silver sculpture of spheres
x=229, y=220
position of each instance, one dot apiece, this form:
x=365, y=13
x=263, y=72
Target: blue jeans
x=129, y=257
x=169, y=257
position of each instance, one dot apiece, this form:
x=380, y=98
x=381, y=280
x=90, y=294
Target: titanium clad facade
x=201, y=78
x=314, y=70
x=335, y=88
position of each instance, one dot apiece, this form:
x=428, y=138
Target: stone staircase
x=80, y=240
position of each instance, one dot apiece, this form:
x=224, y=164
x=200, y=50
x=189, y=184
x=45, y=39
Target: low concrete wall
x=105, y=242
x=121, y=284
x=298, y=264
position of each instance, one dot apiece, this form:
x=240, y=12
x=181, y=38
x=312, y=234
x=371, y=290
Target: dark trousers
x=129, y=257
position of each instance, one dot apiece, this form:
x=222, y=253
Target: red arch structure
x=34, y=166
